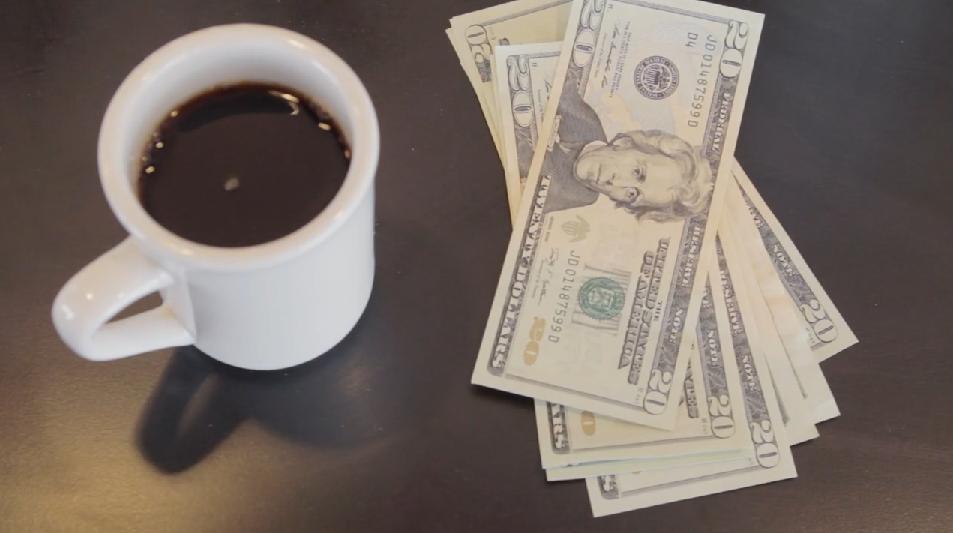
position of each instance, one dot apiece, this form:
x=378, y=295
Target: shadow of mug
x=164, y=438
x=199, y=402
x=388, y=376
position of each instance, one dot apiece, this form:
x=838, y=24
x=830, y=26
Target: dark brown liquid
x=242, y=166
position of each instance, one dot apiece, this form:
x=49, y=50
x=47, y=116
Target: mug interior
x=223, y=56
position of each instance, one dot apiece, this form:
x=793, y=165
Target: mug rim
x=119, y=188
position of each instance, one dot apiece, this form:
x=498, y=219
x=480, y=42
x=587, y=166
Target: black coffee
x=242, y=165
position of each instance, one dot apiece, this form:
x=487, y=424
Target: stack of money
x=650, y=301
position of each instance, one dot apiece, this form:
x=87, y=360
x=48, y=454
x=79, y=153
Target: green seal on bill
x=601, y=298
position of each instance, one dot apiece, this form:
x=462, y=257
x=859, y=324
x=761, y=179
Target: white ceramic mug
x=264, y=307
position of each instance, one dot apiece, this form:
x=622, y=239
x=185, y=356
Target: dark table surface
x=847, y=133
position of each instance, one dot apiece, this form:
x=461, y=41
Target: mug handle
x=102, y=289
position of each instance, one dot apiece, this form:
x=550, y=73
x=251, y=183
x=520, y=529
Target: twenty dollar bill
x=604, y=274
